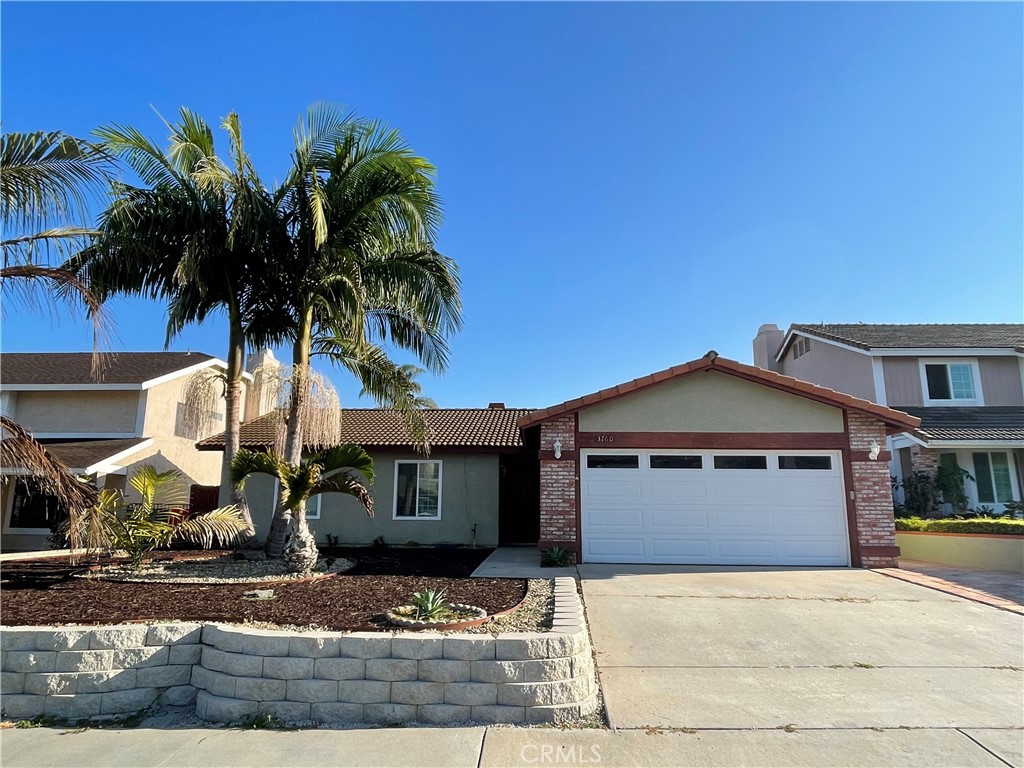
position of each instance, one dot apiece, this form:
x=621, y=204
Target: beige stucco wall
x=1001, y=380
x=469, y=495
x=834, y=367
x=711, y=402
x=78, y=412
x=170, y=451
x=902, y=381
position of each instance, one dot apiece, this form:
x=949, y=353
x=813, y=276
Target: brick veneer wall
x=232, y=672
x=558, y=484
x=873, y=488
x=924, y=460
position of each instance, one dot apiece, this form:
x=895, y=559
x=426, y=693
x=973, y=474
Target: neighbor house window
x=992, y=475
x=950, y=381
x=417, y=490
x=31, y=508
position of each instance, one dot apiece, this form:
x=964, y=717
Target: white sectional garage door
x=713, y=507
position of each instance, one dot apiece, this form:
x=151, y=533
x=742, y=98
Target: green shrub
x=555, y=557
x=1000, y=526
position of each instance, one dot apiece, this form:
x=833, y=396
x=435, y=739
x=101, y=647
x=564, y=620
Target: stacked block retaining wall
x=232, y=673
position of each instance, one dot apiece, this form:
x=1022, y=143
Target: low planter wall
x=975, y=550
x=233, y=672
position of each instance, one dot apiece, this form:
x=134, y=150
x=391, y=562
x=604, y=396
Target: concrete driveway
x=843, y=650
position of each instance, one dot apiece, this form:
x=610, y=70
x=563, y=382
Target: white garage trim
x=713, y=516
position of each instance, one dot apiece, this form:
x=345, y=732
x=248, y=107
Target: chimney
x=766, y=344
x=496, y=405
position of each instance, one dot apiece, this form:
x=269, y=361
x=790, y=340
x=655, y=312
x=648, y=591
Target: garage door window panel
x=741, y=462
x=613, y=461
x=677, y=462
x=805, y=462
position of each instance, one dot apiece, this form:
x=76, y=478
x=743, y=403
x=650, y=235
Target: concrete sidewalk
x=500, y=747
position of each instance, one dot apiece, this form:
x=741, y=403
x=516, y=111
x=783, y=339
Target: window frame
x=988, y=453
x=440, y=486
x=319, y=506
x=927, y=399
x=9, y=511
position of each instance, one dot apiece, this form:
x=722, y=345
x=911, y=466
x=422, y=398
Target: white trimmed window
x=992, y=477
x=417, y=490
x=950, y=382
x=313, y=507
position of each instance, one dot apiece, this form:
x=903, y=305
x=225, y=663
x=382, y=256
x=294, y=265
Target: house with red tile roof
x=711, y=462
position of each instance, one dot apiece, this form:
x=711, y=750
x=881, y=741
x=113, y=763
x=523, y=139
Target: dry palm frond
x=202, y=396
x=320, y=414
x=20, y=451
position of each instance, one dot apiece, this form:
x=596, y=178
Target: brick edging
x=941, y=585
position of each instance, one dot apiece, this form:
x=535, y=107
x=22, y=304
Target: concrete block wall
x=236, y=672
x=74, y=673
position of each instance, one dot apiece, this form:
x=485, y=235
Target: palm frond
x=165, y=488
x=349, y=484
x=223, y=526
x=247, y=463
x=348, y=458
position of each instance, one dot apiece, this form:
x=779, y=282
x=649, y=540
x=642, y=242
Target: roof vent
x=495, y=405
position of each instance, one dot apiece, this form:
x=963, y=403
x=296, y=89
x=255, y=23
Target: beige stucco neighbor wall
x=834, y=367
x=711, y=402
x=78, y=412
x=995, y=553
x=469, y=496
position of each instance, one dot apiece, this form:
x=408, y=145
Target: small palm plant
x=155, y=521
x=344, y=469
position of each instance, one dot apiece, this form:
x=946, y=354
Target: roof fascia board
x=213, y=361
x=72, y=387
x=946, y=352
x=905, y=439
x=83, y=435
x=111, y=460
x=789, y=338
x=975, y=443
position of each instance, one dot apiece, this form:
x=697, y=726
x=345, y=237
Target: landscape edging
x=231, y=673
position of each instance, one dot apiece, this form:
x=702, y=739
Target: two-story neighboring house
x=132, y=413
x=964, y=381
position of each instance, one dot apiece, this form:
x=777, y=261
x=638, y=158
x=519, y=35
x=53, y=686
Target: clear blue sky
x=626, y=186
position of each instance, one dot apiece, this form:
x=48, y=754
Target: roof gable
x=895, y=420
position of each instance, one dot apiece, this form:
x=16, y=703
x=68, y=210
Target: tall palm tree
x=344, y=469
x=362, y=215
x=198, y=233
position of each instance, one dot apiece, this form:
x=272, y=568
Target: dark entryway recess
x=518, y=499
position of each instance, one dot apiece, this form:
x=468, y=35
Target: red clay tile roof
x=379, y=428
x=896, y=420
x=76, y=367
x=923, y=336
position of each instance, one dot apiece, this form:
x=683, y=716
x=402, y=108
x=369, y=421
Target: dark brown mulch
x=45, y=592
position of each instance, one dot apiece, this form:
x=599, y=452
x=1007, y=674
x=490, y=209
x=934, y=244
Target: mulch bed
x=39, y=592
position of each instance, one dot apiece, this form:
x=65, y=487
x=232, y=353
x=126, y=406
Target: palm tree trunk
x=293, y=428
x=229, y=494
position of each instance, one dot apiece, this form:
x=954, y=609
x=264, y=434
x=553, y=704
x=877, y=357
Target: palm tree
x=198, y=234
x=154, y=521
x=362, y=216
x=46, y=181
x=344, y=469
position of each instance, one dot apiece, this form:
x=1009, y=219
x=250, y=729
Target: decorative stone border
x=235, y=672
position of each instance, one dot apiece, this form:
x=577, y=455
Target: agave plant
x=429, y=604
x=155, y=521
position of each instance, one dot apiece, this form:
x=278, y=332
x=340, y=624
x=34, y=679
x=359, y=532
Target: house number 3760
x=606, y=438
